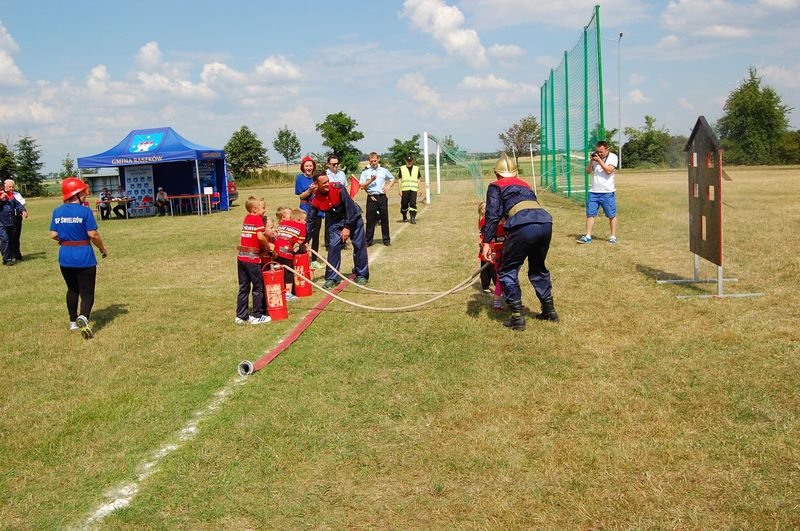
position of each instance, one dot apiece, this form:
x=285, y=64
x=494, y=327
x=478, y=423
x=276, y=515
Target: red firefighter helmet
x=72, y=186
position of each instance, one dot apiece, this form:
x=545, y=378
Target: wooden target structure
x=705, y=208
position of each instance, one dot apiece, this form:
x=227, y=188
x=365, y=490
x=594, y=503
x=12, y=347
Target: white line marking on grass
x=122, y=496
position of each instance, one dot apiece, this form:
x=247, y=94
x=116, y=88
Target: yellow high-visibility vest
x=409, y=180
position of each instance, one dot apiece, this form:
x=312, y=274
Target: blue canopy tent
x=160, y=157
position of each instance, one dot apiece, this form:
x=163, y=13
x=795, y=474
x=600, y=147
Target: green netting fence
x=467, y=166
x=572, y=115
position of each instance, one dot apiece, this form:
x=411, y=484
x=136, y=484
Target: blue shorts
x=607, y=200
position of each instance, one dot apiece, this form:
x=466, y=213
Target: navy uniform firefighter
x=528, y=230
x=409, y=187
x=342, y=221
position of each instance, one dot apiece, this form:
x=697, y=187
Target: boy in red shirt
x=253, y=240
x=289, y=237
x=490, y=273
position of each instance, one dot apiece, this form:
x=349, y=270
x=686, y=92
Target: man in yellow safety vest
x=409, y=186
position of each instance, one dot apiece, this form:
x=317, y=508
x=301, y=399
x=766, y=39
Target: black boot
x=548, y=311
x=516, y=321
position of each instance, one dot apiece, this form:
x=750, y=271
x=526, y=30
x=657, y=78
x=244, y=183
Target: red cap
x=305, y=159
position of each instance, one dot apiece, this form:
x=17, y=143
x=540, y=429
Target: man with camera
x=602, y=165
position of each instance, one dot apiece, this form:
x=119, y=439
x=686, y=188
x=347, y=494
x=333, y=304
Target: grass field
x=637, y=410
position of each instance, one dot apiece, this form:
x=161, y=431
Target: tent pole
x=199, y=191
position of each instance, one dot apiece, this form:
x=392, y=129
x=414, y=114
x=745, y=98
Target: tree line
x=753, y=130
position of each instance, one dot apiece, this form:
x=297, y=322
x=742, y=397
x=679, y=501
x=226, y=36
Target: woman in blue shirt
x=74, y=228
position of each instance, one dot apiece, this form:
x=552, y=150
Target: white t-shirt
x=603, y=182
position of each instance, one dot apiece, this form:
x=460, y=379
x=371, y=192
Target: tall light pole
x=619, y=82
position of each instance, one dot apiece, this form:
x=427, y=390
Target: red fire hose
x=246, y=368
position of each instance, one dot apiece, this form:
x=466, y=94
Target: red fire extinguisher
x=302, y=264
x=275, y=291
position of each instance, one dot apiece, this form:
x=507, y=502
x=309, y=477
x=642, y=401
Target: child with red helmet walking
x=253, y=240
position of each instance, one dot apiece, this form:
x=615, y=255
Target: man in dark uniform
x=343, y=221
x=528, y=230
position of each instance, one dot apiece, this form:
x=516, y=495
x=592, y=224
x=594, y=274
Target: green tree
x=790, y=147
x=338, y=132
x=647, y=146
x=448, y=144
x=400, y=150
x=68, y=168
x=517, y=138
x=8, y=165
x=287, y=144
x=753, y=123
x=245, y=152
x=28, y=177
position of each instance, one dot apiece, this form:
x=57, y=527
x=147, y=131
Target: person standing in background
x=20, y=215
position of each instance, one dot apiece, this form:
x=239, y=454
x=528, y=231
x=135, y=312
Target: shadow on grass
x=660, y=274
x=104, y=316
x=33, y=256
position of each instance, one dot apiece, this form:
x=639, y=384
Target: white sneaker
x=316, y=265
x=239, y=321
x=83, y=324
x=74, y=326
x=291, y=297
x=260, y=320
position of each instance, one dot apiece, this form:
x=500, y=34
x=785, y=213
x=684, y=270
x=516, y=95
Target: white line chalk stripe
x=122, y=496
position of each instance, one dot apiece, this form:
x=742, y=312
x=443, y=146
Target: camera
x=593, y=154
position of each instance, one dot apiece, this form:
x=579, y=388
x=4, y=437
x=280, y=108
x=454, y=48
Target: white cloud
x=637, y=96
x=781, y=76
x=575, y=14
x=10, y=74
x=489, y=82
x=278, y=67
x=506, y=51
x=149, y=56
x=7, y=42
x=726, y=32
x=636, y=79
x=299, y=119
x=445, y=23
x=670, y=41
x=416, y=86
x=783, y=5
x=683, y=103
x=220, y=73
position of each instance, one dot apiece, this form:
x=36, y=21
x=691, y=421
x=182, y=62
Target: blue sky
x=79, y=75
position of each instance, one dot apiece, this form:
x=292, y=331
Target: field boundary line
x=122, y=496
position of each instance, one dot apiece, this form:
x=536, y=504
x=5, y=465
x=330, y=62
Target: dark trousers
x=121, y=210
x=105, y=210
x=378, y=208
x=80, y=285
x=408, y=203
x=250, y=280
x=360, y=260
x=5, y=243
x=16, y=253
x=313, y=235
x=488, y=275
x=531, y=242
x=162, y=207
x=288, y=276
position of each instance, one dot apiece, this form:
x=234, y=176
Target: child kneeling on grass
x=253, y=240
x=289, y=238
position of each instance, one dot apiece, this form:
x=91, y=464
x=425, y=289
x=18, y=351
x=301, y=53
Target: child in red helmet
x=74, y=228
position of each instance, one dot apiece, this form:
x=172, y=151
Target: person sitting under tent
x=162, y=202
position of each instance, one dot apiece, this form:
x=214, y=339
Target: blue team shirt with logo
x=72, y=221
